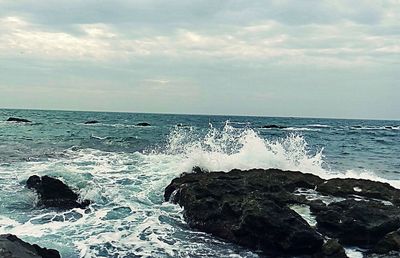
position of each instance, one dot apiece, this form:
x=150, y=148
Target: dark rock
x=331, y=249
x=392, y=254
x=252, y=208
x=91, y=122
x=360, y=223
x=274, y=126
x=54, y=193
x=143, y=124
x=197, y=169
x=13, y=247
x=230, y=206
x=18, y=120
x=390, y=242
x=365, y=188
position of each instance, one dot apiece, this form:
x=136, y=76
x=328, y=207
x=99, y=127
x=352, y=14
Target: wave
x=230, y=148
x=302, y=129
x=318, y=125
x=233, y=148
x=386, y=127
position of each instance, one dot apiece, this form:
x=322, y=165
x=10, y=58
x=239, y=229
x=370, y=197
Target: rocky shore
x=287, y=213
x=13, y=247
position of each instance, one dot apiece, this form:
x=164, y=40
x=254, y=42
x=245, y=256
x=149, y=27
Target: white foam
x=302, y=129
x=319, y=125
x=229, y=148
x=232, y=148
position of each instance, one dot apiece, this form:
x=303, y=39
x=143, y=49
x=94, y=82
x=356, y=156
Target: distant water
x=124, y=168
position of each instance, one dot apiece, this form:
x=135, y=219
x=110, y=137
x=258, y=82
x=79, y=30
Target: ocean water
x=124, y=169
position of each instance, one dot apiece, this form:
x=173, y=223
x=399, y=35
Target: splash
x=229, y=148
x=243, y=148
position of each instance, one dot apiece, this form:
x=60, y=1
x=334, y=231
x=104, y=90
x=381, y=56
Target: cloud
x=201, y=47
x=343, y=43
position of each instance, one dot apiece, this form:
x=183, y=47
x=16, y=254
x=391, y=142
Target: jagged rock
x=54, y=193
x=197, y=169
x=18, y=120
x=143, y=124
x=91, y=122
x=360, y=223
x=331, y=249
x=13, y=247
x=360, y=187
x=390, y=242
x=274, y=127
x=252, y=208
x=230, y=206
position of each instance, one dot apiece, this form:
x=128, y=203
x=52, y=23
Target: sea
x=124, y=168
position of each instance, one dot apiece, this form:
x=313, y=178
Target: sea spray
x=230, y=148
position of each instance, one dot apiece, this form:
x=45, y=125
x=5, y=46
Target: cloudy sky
x=274, y=58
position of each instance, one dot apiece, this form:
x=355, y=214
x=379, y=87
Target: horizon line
x=201, y=114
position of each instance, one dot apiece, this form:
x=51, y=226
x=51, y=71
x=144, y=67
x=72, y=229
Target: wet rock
x=143, y=124
x=274, y=127
x=91, y=122
x=227, y=205
x=390, y=242
x=53, y=193
x=252, y=208
x=392, y=254
x=18, y=120
x=13, y=247
x=331, y=249
x=360, y=223
x=350, y=187
x=197, y=169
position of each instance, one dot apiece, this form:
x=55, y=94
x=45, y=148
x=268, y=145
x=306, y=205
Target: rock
x=274, y=126
x=392, y=254
x=91, y=122
x=197, y=169
x=13, y=247
x=253, y=208
x=143, y=124
x=331, y=249
x=54, y=193
x=18, y=120
x=360, y=187
x=390, y=242
x=235, y=206
x=360, y=223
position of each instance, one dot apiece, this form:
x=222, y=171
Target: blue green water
x=124, y=169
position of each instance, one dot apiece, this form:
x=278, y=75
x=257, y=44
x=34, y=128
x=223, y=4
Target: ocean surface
x=124, y=169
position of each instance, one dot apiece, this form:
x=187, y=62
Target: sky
x=303, y=58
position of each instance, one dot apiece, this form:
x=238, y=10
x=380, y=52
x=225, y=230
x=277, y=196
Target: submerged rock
x=54, y=193
x=91, y=122
x=13, y=247
x=274, y=126
x=253, y=208
x=143, y=124
x=18, y=120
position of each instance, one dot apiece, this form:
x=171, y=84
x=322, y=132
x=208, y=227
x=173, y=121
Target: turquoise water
x=124, y=169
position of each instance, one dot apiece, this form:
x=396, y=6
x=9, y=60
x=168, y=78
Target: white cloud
x=347, y=39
